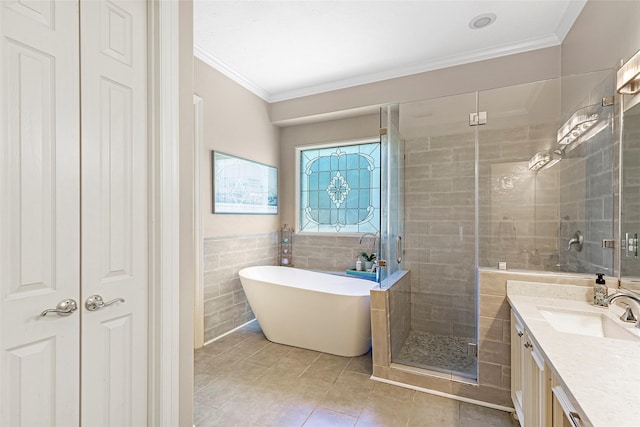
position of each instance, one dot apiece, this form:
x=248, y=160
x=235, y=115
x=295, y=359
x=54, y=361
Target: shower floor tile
x=437, y=352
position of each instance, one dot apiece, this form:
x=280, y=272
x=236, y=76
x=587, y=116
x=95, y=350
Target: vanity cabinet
x=517, y=353
x=564, y=412
x=534, y=390
x=529, y=378
x=538, y=397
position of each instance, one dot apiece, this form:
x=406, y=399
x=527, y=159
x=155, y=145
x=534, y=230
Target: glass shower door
x=392, y=193
x=440, y=223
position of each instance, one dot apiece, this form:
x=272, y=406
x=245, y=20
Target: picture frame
x=242, y=186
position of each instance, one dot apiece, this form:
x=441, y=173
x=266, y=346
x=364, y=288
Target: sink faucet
x=612, y=298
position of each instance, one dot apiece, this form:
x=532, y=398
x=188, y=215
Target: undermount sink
x=585, y=323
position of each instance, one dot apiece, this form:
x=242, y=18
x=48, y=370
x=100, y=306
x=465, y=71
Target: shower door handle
x=399, y=249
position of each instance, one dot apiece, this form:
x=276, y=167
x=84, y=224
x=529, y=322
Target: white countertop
x=602, y=375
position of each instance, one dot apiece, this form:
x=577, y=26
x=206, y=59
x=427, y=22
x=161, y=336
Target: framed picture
x=242, y=186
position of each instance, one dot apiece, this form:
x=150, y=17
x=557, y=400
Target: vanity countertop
x=602, y=375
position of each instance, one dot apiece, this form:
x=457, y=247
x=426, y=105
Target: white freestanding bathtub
x=312, y=310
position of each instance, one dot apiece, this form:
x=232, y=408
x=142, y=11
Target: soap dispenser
x=600, y=291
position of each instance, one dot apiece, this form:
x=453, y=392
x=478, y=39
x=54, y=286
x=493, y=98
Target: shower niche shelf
x=285, y=246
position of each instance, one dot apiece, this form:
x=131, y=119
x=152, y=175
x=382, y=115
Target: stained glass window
x=340, y=189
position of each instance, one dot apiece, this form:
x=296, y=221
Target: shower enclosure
x=440, y=224
x=392, y=193
x=505, y=177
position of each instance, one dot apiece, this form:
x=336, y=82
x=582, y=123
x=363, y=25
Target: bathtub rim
x=333, y=284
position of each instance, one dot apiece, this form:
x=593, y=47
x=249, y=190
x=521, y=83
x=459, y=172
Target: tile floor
x=245, y=380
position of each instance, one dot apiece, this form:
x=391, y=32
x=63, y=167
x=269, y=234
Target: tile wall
x=521, y=214
x=588, y=178
x=439, y=229
x=518, y=208
x=630, y=267
x=586, y=204
x=518, y=218
x=225, y=304
x=331, y=253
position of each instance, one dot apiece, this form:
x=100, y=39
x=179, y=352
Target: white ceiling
x=286, y=49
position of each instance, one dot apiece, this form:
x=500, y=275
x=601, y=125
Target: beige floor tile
x=251, y=344
x=202, y=362
x=303, y=355
x=258, y=383
x=254, y=407
x=217, y=365
x=349, y=394
x=310, y=388
x=392, y=392
x=293, y=364
x=476, y=416
x=324, y=418
x=277, y=378
x=201, y=380
x=201, y=412
x=219, y=392
x=286, y=416
x=326, y=368
x=224, y=344
x=361, y=364
x=430, y=410
x=247, y=372
x=270, y=354
x=383, y=412
x=225, y=418
x=355, y=380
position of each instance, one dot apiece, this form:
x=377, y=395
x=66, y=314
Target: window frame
x=298, y=149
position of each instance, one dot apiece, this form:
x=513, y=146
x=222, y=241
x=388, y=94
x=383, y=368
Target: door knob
x=95, y=302
x=64, y=308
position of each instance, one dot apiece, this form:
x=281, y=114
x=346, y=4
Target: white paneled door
x=39, y=212
x=73, y=213
x=114, y=212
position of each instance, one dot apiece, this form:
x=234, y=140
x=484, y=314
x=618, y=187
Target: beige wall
x=530, y=66
x=605, y=32
x=236, y=122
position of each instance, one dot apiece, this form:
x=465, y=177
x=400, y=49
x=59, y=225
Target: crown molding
x=573, y=10
x=200, y=53
x=466, y=58
x=569, y=18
